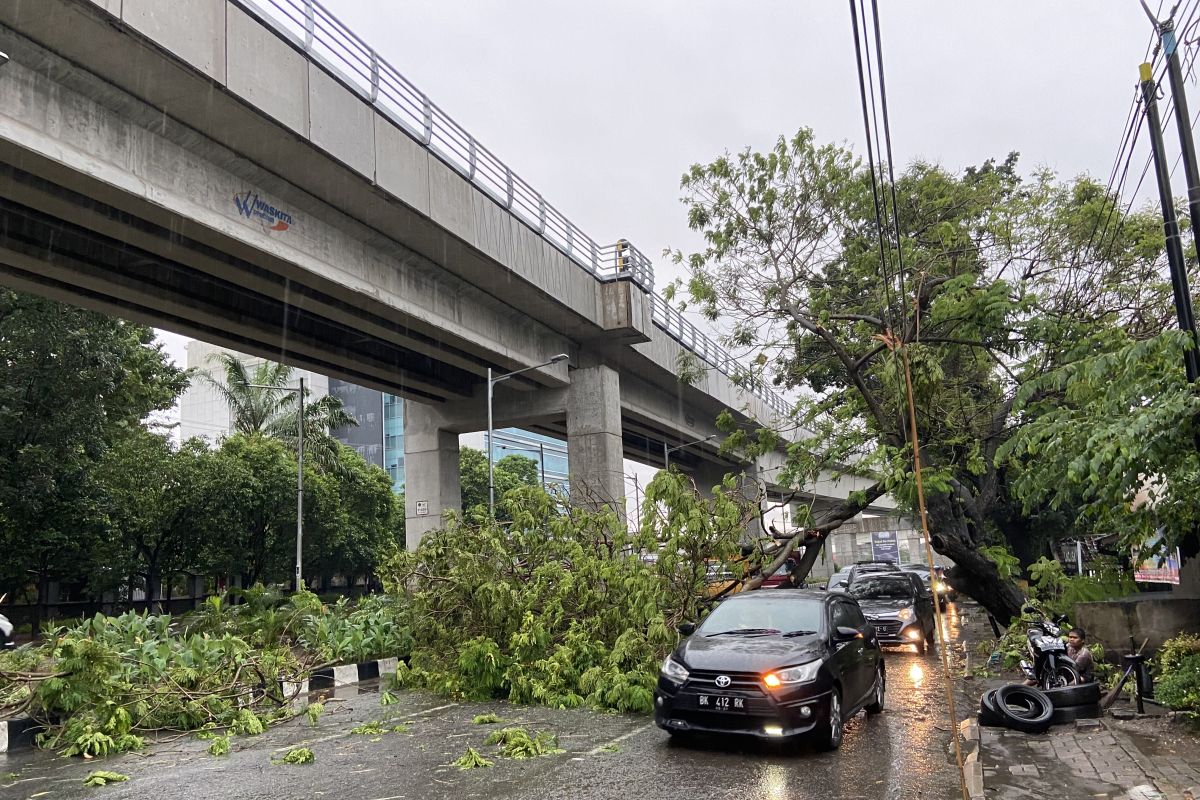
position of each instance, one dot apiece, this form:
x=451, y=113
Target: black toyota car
x=773, y=664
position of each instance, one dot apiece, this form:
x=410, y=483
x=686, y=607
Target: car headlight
x=674, y=672
x=905, y=614
x=801, y=674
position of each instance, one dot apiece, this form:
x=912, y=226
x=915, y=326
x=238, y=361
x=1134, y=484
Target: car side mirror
x=1028, y=610
x=1061, y=618
x=845, y=634
x=686, y=628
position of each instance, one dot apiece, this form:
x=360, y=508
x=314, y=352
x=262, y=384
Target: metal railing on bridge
x=328, y=42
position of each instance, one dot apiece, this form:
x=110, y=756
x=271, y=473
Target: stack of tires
x=1024, y=708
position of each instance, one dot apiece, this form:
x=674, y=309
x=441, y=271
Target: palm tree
x=259, y=411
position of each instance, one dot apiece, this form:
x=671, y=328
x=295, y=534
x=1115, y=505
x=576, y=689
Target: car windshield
x=764, y=615
x=881, y=586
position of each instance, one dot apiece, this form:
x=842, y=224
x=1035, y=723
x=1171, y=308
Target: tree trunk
x=35, y=628
x=813, y=538
x=152, y=589
x=974, y=574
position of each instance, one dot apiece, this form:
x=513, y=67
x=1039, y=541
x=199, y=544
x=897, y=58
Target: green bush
x=1177, y=666
x=1180, y=688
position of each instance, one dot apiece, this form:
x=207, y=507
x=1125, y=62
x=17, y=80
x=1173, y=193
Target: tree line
x=95, y=497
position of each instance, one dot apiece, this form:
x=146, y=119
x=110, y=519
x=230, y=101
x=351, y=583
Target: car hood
x=750, y=653
x=883, y=607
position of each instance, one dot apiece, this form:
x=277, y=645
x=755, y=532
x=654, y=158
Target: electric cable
x=862, y=90
x=894, y=342
x=887, y=136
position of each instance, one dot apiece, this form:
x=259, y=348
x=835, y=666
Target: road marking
x=621, y=738
x=392, y=797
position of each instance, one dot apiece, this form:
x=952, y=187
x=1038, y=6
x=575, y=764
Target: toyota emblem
x=723, y=681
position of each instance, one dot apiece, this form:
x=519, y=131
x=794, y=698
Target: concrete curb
x=335, y=677
x=18, y=733
x=969, y=734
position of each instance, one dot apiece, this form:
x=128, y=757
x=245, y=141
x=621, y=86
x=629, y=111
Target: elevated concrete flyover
x=254, y=175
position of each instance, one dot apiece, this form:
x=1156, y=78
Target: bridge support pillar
x=431, y=476
x=594, y=446
x=708, y=475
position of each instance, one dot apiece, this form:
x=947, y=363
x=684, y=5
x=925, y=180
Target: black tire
x=1067, y=714
x=1085, y=694
x=879, y=691
x=829, y=731
x=1061, y=672
x=989, y=717
x=921, y=646
x=1024, y=708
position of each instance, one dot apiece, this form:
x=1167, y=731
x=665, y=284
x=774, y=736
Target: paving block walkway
x=1107, y=759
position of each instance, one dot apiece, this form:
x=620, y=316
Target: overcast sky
x=601, y=106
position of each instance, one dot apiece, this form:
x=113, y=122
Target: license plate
x=720, y=702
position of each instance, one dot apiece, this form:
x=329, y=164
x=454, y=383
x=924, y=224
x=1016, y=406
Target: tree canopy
x=262, y=401
x=998, y=280
x=72, y=382
x=511, y=472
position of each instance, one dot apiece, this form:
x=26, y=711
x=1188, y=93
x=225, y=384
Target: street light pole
x=668, y=450
x=490, y=446
x=491, y=382
x=300, y=487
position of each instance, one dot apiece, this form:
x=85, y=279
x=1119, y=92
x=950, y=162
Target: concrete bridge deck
x=197, y=165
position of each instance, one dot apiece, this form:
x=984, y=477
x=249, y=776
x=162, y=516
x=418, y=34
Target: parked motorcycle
x=6, y=629
x=1051, y=667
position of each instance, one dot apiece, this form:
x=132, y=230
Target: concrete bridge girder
x=139, y=122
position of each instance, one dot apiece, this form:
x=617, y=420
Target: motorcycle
x=6, y=630
x=1051, y=667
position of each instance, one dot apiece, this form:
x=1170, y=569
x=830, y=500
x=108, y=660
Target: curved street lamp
x=491, y=383
x=668, y=450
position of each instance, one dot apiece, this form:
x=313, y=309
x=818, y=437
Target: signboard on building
x=884, y=546
x=366, y=406
x=422, y=508
x=1158, y=569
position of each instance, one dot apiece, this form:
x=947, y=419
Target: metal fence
x=329, y=43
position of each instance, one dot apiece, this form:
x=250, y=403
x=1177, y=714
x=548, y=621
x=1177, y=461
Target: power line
x=887, y=136
x=862, y=91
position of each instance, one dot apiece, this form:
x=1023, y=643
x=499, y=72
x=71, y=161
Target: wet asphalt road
x=903, y=753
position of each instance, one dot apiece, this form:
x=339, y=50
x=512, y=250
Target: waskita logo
x=253, y=207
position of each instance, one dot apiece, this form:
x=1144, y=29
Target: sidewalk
x=1112, y=759
x=1144, y=758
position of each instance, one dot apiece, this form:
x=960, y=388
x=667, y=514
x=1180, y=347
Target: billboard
x=366, y=406
x=1158, y=569
x=884, y=546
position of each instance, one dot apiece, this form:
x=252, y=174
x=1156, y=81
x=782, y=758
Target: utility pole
x=1179, y=281
x=1190, y=545
x=1183, y=122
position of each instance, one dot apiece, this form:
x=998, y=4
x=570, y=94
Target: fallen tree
x=991, y=281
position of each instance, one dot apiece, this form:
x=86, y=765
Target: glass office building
x=549, y=453
x=393, y=440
